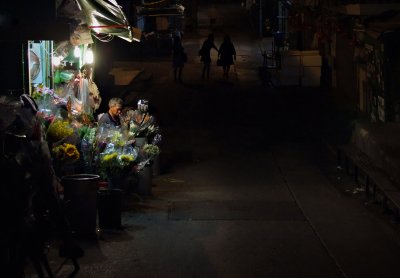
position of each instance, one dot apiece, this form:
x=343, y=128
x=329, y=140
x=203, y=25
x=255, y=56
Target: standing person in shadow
x=94, y=99
x=204, y=53
x=227, y=55
x=179, y=58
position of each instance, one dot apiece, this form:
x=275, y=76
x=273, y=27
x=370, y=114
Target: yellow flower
x=66, y=152
x=58, y=152
x=71, y=151
x=126, y=158
x=109, y=157
x=58, y=130
x=75, y=155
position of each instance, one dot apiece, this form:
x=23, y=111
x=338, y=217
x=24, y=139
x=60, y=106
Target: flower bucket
x=80, y=197
x=116, y=182
x=145, y=181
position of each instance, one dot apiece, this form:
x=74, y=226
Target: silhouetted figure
x=178, y=58
x=204, y=53
x=30, y=208
x=227, y=55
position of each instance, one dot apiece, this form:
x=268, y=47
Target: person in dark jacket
x=178, y=58
x=227, y=55
x=112, y=116
x=204, y=53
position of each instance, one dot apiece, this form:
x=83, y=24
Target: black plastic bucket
x=80, y=197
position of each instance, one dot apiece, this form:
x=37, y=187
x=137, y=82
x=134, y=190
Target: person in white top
x=90, y=95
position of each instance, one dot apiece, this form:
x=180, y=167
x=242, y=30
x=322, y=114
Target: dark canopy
x=101, y=16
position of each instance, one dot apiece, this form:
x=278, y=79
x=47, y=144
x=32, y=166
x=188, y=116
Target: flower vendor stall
x=57, y=74
x=119, y=156
x=51, y=145
x=79, y=145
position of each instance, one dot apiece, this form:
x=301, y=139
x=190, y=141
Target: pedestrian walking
x=227, y=55
x=205, y=55
x=179, y=57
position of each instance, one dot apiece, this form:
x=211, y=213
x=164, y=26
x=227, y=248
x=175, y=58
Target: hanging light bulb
x=89, y=56
x=77, y=52
x=57, y=60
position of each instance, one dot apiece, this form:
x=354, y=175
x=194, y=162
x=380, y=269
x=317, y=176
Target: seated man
x=112, y=116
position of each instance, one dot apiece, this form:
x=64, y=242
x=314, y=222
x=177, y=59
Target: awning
x=101, y=16
x=106, y=17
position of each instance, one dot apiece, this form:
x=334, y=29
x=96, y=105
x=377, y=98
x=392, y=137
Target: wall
x=13, y=74
x=346, y=81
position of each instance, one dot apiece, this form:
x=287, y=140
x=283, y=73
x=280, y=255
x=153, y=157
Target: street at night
x=248, y=182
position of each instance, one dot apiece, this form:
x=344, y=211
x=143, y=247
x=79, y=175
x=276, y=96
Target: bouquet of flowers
x=64, y=143
x=139, y=123
x=87, y=136
x=46, y=99
x=117, y=161
x=58, y=130
x=65, y=156
x=143, y=125
x=66, y=152
x=149, y=152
